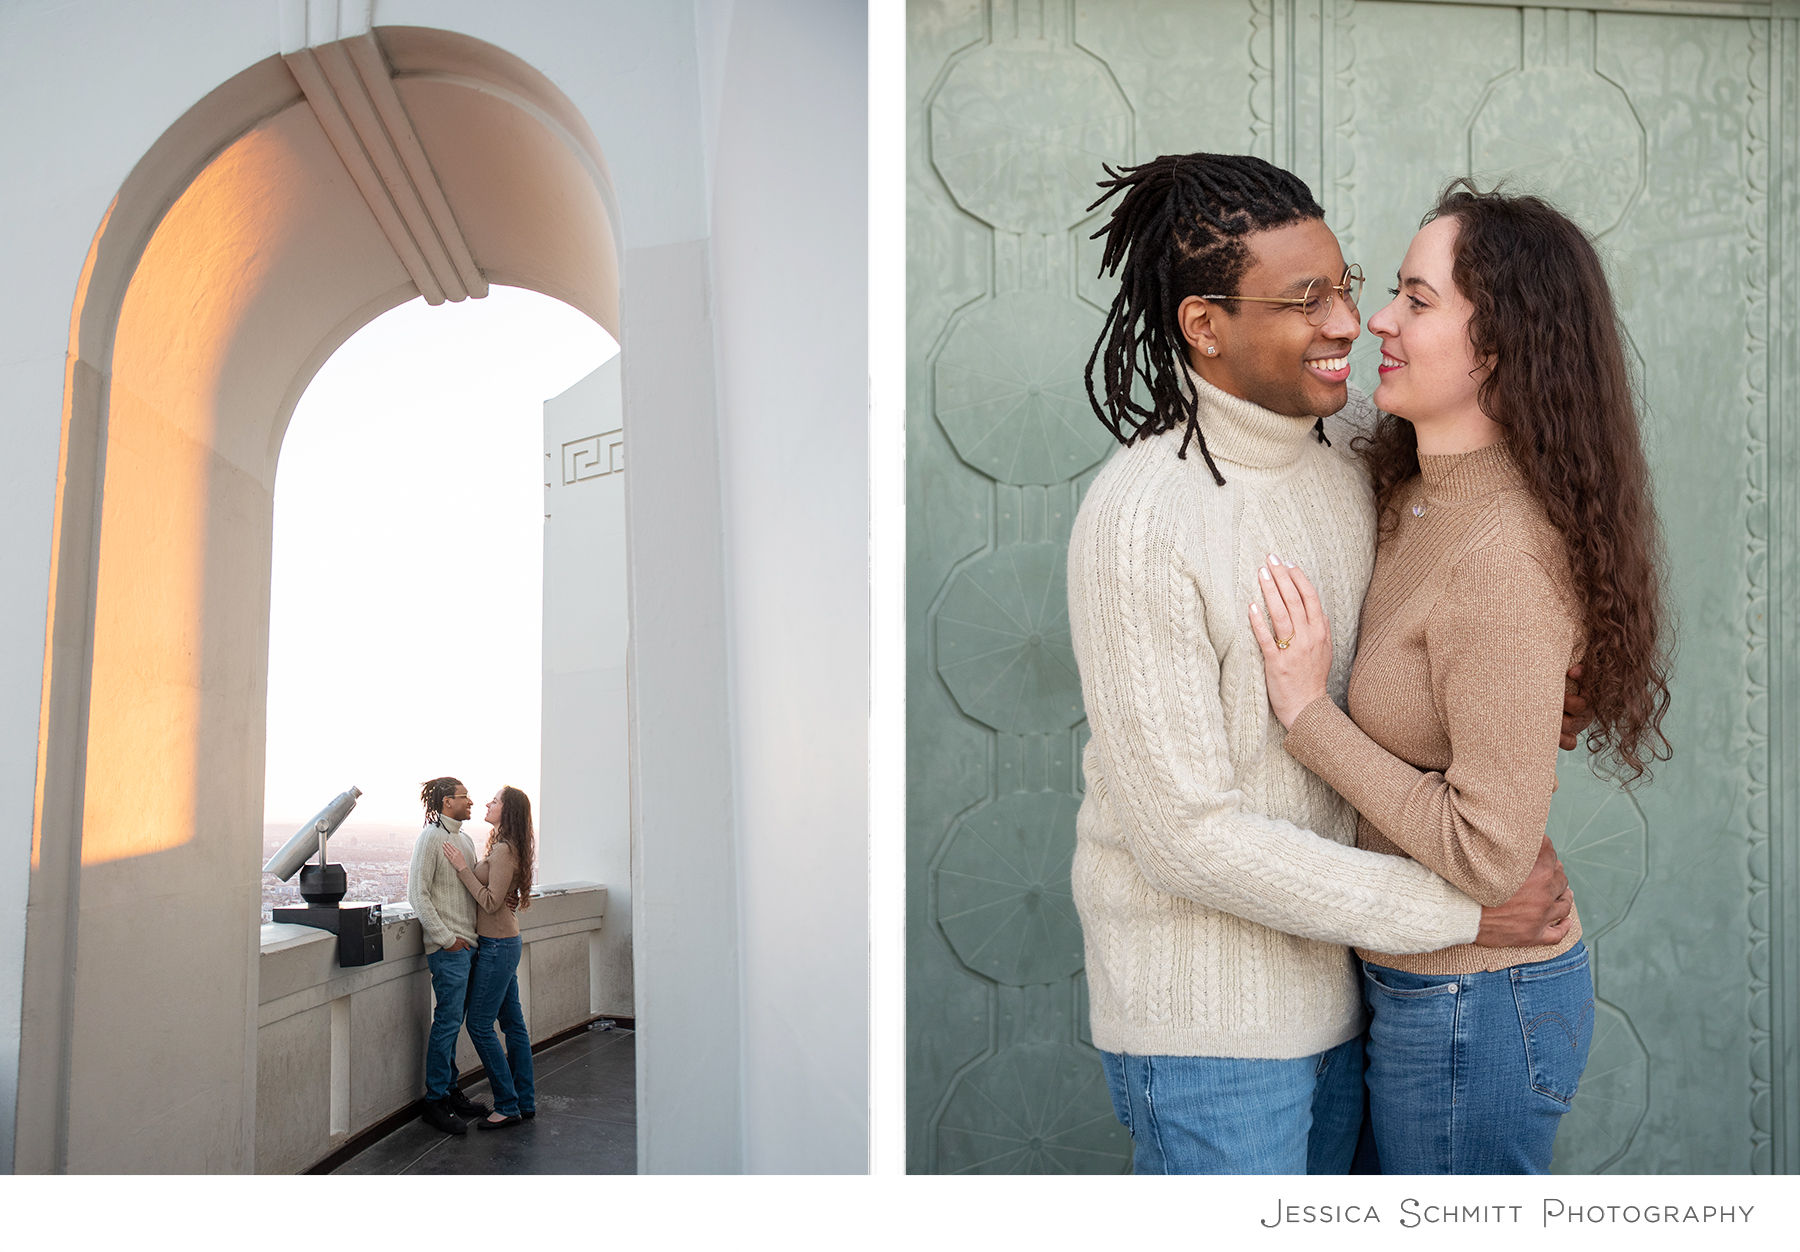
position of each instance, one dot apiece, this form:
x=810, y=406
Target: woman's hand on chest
x=1295, y=635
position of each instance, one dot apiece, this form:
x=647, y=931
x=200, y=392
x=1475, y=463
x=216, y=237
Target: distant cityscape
x=375, y=860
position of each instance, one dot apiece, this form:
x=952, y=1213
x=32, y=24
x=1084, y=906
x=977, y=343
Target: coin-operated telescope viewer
x=356, y=923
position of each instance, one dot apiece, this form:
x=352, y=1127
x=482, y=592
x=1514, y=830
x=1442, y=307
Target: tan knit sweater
x=1212, y=872
x=488, y=881
x=1457, y=692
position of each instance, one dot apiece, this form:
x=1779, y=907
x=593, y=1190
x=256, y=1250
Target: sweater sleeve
x=1499, y=643
x=490, y=896
x=418, y=888
x=1151, y=679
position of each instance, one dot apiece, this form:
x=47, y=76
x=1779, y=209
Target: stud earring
x=1212, y=352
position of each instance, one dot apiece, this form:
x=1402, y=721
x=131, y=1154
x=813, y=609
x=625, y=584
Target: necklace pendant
x=1418, y=510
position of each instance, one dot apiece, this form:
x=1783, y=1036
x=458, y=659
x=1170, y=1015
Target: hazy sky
x=406, y=613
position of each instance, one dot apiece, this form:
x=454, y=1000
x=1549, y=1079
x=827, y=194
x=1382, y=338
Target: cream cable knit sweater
x=1213, y=873
x=446, y=911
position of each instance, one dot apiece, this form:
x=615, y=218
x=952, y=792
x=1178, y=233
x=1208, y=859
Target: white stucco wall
x=747, y=311
x=789, y=223
x=584, y=801
x=61, y=173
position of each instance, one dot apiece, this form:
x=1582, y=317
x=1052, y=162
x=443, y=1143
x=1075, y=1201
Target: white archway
x=296, y=202
x=735, y=135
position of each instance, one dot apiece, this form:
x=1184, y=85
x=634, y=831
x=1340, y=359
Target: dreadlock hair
x=1177, y=232
x=432, y=795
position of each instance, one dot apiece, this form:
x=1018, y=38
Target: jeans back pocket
x=1555, y=1001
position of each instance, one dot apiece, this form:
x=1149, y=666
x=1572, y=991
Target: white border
x=909, y=1213
x=887, y=578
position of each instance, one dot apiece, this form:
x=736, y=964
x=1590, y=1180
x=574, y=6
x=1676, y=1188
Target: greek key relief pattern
x=594, y=457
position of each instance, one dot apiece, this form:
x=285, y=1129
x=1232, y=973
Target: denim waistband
x=1400, y=979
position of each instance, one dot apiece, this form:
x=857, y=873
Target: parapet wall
x=337, y=1050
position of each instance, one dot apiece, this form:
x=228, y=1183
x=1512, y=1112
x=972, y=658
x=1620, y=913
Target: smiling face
x=1429, y=372
x=1270, y=354
x=492, y=814
x=458, y=807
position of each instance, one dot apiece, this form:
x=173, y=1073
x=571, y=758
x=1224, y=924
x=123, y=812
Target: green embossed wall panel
x=1676, y=138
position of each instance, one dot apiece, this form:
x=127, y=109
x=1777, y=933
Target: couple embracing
x=1329, y=649
x=468, y=909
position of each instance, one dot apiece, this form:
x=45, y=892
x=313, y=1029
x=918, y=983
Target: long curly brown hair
x=514, y=830
x=1560, y=388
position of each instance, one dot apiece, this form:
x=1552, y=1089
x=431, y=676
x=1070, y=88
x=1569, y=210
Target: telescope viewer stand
x=356, y=923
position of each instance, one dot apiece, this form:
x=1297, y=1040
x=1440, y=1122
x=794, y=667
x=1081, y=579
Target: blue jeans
x=495, y=994
x=1231, y=1115
x=450, y=986
x=1472, y=1073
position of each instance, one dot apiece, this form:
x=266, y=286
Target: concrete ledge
x=340, y=1050
x=297, y=958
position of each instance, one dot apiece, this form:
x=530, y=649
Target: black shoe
x=463, y=1107
x=437, y=1114
x=528, y=1114
x=514, y=1120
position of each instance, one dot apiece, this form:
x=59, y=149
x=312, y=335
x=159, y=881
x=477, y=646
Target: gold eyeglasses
x=1317, y=298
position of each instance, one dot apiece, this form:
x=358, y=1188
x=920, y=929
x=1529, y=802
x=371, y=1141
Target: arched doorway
x=295, y=203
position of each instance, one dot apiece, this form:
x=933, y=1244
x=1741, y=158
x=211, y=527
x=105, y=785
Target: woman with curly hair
x=1517, y=537
x=501, y=885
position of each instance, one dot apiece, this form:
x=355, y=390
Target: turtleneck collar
x=1244, y=433
x=1469, y=475
x=449, y=823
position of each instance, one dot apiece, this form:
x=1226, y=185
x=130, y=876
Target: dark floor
x=586, y=1121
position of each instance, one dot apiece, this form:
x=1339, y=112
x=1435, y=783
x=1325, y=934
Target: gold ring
x=1283, y=643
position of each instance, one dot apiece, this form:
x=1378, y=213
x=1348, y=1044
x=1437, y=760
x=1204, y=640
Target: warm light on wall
x=153, y=675
x=208, y=303
x=73, y=369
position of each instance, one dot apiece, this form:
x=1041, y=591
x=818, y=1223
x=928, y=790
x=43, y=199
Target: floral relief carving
x=1018, y=134
x=1556, y=125
x=1668, y=134
x=1011, y=389
x=1003, y=640
x=1032, y=1108
x=1003, y=894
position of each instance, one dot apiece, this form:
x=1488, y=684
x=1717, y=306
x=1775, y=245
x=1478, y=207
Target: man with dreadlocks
x=1217, y=879
x=447, y=916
